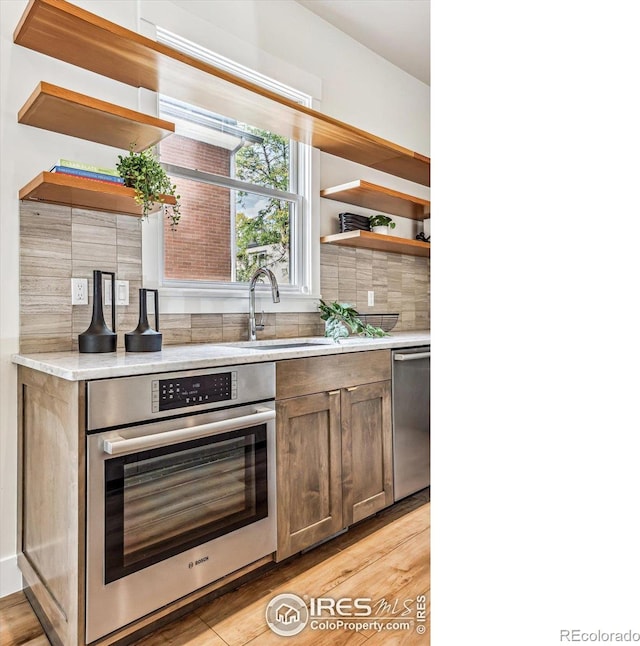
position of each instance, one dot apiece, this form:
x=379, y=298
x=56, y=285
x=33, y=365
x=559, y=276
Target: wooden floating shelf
x=80, y=192
x=69, y=33
x=54, y=108
x=386, y=200
x=379, y=242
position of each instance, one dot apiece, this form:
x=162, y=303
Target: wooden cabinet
x=367, y=463
x=51, y=463
x=334, y=447
x=309, y=470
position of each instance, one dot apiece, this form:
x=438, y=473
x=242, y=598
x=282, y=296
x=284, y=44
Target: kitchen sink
x=273, y=346
x=269, y=345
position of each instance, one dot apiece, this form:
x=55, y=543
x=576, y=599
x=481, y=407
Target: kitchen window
x=244, y=199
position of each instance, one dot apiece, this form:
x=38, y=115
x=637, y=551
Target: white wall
x=279, y=38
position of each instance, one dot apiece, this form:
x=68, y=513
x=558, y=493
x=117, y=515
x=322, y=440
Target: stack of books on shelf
x=69, y=167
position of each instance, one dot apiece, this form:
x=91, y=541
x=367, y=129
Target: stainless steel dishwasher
x=411, y=420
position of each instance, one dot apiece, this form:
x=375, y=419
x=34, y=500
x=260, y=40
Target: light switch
x=122, y=292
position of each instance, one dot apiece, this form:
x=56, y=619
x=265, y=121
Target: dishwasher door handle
x=411, y=357
x=120, y=445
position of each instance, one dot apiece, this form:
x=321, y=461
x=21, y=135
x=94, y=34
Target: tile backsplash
x=60, y=242
x=400, y=283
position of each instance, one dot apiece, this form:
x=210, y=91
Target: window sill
x=181, y=300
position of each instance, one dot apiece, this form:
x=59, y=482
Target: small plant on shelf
x=142, y=172
x=341, y=319
x=383, y=221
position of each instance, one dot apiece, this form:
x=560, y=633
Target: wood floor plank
x=186, y=631
x=243, y=626
x=311, y=638
x=19, y=625
x=238, y=616
x=349, y=562
x=399, y=576
x=325, y=577
x=370, y=525
x=408, y=638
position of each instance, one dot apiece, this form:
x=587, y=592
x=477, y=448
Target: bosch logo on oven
x=192, y=564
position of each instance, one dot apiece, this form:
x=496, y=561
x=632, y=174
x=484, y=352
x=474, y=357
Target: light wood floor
x=385, y=557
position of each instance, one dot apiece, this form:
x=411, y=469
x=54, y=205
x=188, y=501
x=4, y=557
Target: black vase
x=144, y=338
x=98, y=337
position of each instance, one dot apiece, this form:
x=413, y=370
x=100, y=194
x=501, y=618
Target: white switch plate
x=370, y=298
x=79, y=291
x=122, y=292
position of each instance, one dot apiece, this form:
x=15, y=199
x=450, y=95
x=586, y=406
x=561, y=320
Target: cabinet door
x=367, y=464
x=309, y=461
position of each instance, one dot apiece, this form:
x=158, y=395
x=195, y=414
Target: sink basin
x=269, y=345
x=273, y=346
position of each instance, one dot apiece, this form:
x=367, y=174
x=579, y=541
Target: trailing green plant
x=381, y=221
x=341, y=319
x=142, y=172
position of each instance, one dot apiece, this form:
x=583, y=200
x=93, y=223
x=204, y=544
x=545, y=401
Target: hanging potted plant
x=142, y=172
x=381, y=223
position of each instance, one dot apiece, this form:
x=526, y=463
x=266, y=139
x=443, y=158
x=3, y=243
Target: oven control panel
x=119, y=401
x=185, y=391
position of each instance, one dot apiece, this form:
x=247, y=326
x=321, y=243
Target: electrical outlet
x=370, y=298
x=79, y=291
x=122, y=292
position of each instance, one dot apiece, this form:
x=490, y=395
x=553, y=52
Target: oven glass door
x=163, y=501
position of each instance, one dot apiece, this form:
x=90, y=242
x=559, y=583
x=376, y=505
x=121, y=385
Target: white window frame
x=179, y=296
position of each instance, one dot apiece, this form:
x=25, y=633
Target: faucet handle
x=260, y=326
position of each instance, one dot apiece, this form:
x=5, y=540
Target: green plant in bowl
x=341, y=319
x=142, y=172
x=381, y=221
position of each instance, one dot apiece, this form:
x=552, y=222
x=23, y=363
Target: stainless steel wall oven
x=180, y=486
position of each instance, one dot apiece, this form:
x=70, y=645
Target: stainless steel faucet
x=275, y=294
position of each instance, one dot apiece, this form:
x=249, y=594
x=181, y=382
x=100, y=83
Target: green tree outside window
x=266, y=164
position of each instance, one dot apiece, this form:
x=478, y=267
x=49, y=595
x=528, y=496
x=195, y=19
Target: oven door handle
x=121, y=445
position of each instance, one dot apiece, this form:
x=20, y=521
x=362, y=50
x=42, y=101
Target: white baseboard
x=10, y=576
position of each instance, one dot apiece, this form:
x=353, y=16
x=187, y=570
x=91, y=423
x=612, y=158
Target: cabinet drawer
x=296, y=377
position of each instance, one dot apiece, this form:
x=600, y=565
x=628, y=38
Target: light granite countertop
x=75, y=366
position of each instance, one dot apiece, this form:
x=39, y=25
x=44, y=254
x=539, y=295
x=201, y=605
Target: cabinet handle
x=411, y=357
x=334, y=392
x=352, y=388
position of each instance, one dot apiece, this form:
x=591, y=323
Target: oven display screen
x=182, y=392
